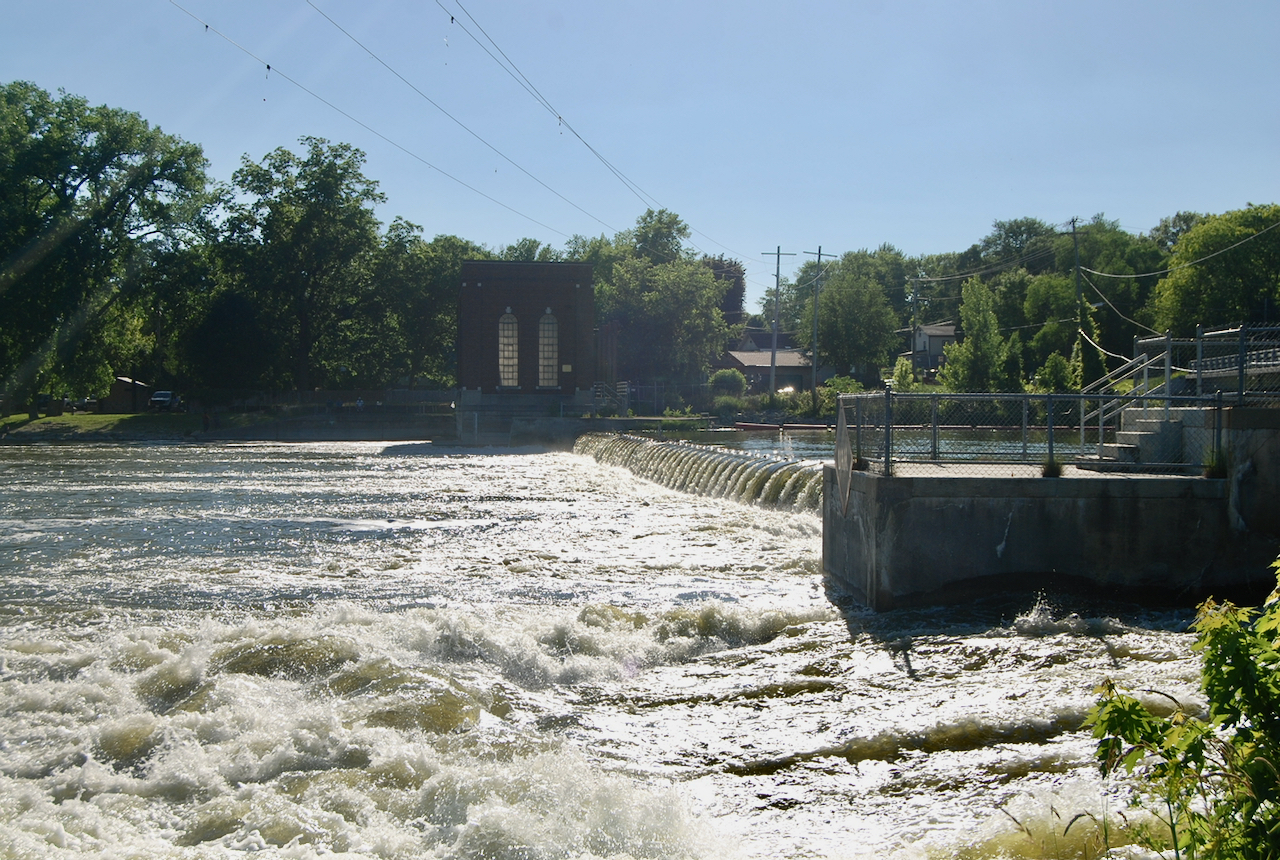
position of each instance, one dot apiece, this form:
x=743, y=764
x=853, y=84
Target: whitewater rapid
x=365, y=650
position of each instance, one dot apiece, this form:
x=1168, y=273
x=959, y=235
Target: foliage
x=1240, y=284
x=668, y=304
x=857, y=326
x=86, y=194
x=979, y=362
x=1055, y=376
x=727, y=406
x=904, y=377
x=1213, y=783
x=730, y=381
x=302, y=243
x=830, y=390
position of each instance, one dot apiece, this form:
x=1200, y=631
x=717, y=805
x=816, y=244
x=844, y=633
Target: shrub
x=728, y=407
x=728, y=381
x=1213, y=784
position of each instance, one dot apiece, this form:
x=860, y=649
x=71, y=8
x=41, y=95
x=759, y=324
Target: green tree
x=980, y=361
x=86, y=195
x=1239, y=284
x=420, y=280
x=530, y=251
x=303, y=244
x=666, y=302
x=857, y=327
x=672, y=327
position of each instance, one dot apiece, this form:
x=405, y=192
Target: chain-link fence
x=1025, y=434
x=1243, y=362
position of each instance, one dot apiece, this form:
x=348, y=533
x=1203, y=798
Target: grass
x=142, y=424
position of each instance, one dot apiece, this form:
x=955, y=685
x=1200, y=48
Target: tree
x=667, y=304
x=530, y=251
x=734, y=275
x=979, y=362
x=857, y=328
x=1214, y=283
x=303, y=245
x=420, y=282
x=84, y=192
x=1028, y=242
x=672, y=327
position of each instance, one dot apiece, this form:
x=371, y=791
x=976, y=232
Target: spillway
x=754, y=479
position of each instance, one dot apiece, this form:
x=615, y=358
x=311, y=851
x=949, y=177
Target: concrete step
x=1120, y=453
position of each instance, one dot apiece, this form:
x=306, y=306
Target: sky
x=764, y=125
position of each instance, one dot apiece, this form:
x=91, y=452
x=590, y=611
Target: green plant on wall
x=1213, y=784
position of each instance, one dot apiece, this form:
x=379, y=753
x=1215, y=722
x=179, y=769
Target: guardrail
x=880, y=431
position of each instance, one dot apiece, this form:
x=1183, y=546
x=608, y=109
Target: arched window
x=548, y=352
x=508, y=351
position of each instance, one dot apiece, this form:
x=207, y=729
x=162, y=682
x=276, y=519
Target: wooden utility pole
x=817, y=283
x=777, y=293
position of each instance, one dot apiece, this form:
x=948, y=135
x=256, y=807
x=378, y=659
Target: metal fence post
x=1199, y=360
x=1048, y=399
x=857, y=422
x=1240, y=367
x=1168, y=370
x=888, y=430
x=1217, y=428
x=1026, y=402
x=933, y=409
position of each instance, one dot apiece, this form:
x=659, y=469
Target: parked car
x=164, y=401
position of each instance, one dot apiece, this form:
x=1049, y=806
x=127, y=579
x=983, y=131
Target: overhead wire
x=509, y=66
x=1191, y=263
x=455, y=120
x=208, y=27
x=520, y=78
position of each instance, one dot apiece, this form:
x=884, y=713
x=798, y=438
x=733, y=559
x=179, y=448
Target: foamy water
x=394, y=651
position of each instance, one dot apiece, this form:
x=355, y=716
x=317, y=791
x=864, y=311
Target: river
x=398, y=651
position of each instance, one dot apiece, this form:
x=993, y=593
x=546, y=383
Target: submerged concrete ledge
x=950, y=536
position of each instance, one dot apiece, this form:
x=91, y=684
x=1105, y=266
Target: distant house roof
x=757, y=339
x=761, y=358
x=939, y=330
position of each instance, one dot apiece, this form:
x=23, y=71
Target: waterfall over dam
x=768, y=481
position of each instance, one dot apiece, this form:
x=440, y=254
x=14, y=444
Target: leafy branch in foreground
x=1212, y=783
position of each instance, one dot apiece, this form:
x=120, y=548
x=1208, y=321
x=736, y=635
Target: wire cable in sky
x=997, y=267
x=1185, y=265
x=456, y=121
x=511, y=69
x=363, y=125
x=1113, y=307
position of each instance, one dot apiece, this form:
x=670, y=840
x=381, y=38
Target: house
x=927, y=342
x=793, y=369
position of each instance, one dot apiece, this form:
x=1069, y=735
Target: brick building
x=526, y=328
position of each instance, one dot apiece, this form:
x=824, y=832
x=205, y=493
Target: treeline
x=1020, y=307
x=120, y=256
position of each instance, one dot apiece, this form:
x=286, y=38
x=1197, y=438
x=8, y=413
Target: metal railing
x=1242, y=361
x=1142, y=431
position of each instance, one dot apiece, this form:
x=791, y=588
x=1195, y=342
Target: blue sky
x=844, y=125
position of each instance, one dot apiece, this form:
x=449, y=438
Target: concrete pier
x=942, y=534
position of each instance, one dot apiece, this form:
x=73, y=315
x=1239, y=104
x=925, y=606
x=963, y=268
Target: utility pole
x=777, y=291
x=817, y=282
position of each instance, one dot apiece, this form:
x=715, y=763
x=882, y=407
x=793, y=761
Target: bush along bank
x=1211, y=782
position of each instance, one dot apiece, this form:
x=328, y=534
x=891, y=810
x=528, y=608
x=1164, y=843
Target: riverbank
x=139, y=427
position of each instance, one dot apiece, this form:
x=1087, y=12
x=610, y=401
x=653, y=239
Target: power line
x=511, y=69
x=509, y=66
x=362, y=124
x=456, y=121
x=1192, y=263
